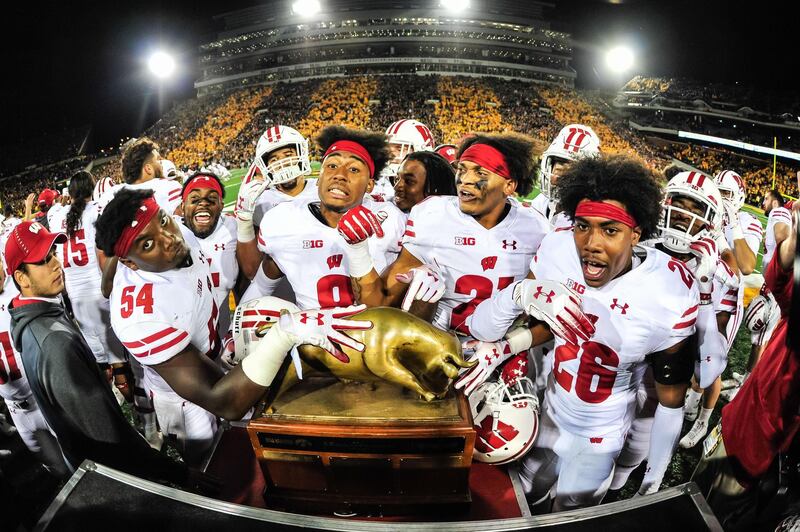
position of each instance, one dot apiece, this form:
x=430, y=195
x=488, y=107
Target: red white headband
x=144, y=214
x=487, y=157
x=356, y=149
x=602, y=209
x=202, y=181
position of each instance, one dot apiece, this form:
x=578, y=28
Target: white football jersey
x=474, y=261
x=312, y=255
x=383, y=189
x=55, y=212
x=591, y=391
x=13, y=383
x=544, y=207
x=167, y=193
x=272, y=197
x=752, y=229
x=219, y=249
x=78, y=255
x=157, y=315
x=778, y=215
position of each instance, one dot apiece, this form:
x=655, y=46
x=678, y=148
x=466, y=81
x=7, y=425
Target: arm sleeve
x=260, y=286
x=494, y=315
x=101, y=432
x=156, y=341
x=712, y=346
x=753, y=233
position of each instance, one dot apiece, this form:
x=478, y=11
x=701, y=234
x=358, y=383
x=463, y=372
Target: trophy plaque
x=326, y=445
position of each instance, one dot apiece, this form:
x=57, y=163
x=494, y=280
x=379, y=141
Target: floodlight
x=306, y=8
x=161, y=64
x=619, y=59
x=456, y=6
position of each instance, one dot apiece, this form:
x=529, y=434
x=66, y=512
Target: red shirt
x=763, y=418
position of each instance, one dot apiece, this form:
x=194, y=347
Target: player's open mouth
x=592, y=270
x=337, y=192
x=463, y=195
x=202, y=218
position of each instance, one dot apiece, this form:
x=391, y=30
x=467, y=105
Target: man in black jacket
x=73, y=394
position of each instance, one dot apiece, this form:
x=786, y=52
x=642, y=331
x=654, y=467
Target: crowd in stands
x=49, y=147
x=225, y=127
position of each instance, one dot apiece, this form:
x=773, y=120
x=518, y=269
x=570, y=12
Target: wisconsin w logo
x=334, y=261
x=492, y=438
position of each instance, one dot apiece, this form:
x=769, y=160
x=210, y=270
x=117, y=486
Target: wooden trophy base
x=330, y=446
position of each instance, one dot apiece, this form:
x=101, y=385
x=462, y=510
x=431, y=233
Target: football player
x=283, y=164
x=203, y=199
x=142, y=170
x=572, y=142
x=163, y=311
x=689, y=230
x=15, y=390
x=300, y=239
x=404, y=137
x=614, y=202
x=779, y=223
x=448, y=151
x=422, y=174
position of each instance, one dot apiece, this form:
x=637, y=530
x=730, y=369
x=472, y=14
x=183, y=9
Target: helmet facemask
x=286, y=169
x=678, y=224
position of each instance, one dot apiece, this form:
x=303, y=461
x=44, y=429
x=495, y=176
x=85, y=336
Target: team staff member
x=71, y=391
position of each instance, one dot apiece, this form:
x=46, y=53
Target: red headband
x=144, y=214
x=605, y=210
x=202, y=181
x=356, y=149
x=487, y=157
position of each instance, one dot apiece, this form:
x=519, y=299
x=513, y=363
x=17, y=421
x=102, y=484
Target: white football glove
x=321, y=327
x=245, y=205
x=557, y=306
x=705, y=266
x=425, y=284
x=489, y=356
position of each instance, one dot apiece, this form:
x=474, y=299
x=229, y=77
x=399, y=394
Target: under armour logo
x=304, y=317
x=623, y=308
x=548, y=296
x=218, y=247
x=507, y=244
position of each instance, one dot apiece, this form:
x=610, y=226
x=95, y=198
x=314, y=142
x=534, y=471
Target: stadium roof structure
x=270, y=43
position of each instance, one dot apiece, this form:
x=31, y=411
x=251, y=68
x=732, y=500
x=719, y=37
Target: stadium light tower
x=619, y=59
x=456, y=6
x=161, y=64
x=306, y=8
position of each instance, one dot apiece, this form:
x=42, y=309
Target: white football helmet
x=731, y=188
x=252, y=315
x=506, y=420
x=169, y=170
x=700, y=188
x=411, y=136
x=101, y=187
x=289, y=168
x=573, y=141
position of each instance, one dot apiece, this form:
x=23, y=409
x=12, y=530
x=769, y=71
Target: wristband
x=519, y=339
x=737, y=233
x=245, y=232
x=264, y=363
x=359, y=261
x=705, y=299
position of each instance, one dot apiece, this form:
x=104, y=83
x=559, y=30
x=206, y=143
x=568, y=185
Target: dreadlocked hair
x=440, y=178
x=81, y=186
x=517, y=150
x=374, y=143
x=118, y=214
x=134, y=157
x=613, y=177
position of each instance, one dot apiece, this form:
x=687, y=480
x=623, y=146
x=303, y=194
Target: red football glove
x=515, y=368
x=360, y=223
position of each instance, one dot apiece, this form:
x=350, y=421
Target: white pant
x=578, y=469
x=94, y=320
x=192, y=427
x=36, y=434
x=637, y=441
x=542, y=358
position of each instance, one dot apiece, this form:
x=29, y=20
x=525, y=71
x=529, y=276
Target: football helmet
x=573, y=141
x=448, y=151
x=101, y=187
x=506, y=420
x=169, y=170
x=251, y=316
x=289, y=168
x=410, y=136
x=702, y=189
x=731, y=188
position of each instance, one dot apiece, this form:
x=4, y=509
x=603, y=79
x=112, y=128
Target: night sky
x=69, y=65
